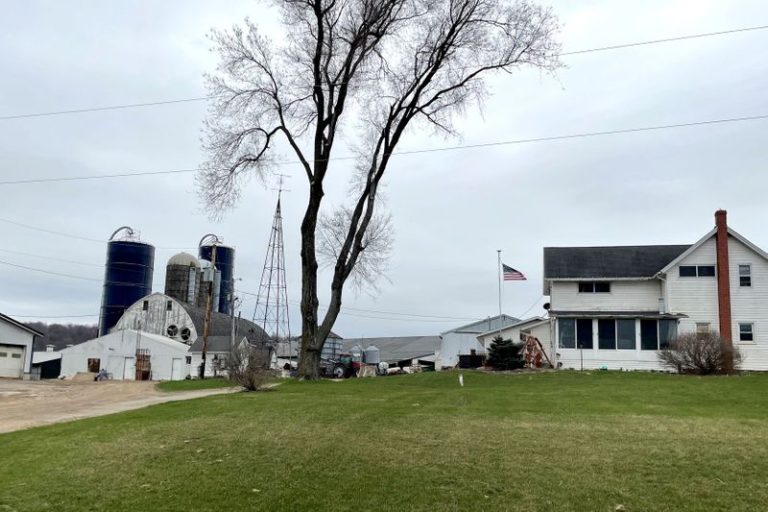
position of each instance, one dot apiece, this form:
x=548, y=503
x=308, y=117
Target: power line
x=203, y=98
x=443, y=318
x=78, y=237
x=43, y=271
x=53, y=316
x=426, y=150
x=666, y=40
x=74, y=262
x=99, y=176
x=102, y=109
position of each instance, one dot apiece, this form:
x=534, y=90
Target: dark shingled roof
x=608, y=262
x=221, y=324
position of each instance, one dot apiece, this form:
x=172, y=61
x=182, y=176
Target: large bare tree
x=389, y=65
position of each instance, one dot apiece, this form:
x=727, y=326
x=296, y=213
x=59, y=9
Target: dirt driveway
x=25, y=404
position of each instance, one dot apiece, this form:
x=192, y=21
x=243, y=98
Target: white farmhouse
x=16, y=340
x=615, y=307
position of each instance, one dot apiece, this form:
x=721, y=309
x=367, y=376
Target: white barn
x=116, y=353
x=616, y=307
x=16, y=341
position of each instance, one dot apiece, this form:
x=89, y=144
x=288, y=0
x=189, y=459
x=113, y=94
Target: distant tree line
x=61, y=335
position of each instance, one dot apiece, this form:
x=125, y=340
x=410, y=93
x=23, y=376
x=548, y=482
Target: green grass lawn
x=194, y=384
x=554, y=441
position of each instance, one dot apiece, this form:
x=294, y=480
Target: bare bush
x=248, y=366
x=701, y=354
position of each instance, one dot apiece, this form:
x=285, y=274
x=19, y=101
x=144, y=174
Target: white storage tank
x=372, y=355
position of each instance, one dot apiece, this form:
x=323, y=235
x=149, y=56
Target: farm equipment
x=342, y=368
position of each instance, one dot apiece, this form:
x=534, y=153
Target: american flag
x=511, y=274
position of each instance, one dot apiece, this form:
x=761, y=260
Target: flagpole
x=498, y=254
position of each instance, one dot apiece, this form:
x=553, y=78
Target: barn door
x=176, y=369
x=129, y=369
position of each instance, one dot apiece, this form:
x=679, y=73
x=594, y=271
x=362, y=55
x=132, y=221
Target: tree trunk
x=311, y=344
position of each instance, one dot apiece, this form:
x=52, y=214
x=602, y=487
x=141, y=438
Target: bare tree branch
x=397, y=64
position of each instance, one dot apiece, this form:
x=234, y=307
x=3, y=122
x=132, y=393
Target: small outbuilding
x=129, y=355
x=16, y=341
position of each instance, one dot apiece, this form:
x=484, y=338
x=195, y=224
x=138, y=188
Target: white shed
x=16, y=341
x=538, y=327
x=463, y=340
x=117, y=351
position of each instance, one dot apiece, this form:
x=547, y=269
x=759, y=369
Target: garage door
x=11, y=361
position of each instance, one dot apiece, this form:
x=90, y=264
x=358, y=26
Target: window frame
x=578, y=343
x=592, y=286
x=655, y=331
x=751, y=332
x=633, y=321
x=748, y=276
x=560, y=322
x=601, y=339
x=696, y=270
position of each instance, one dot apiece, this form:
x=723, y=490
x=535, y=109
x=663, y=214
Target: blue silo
x=127, y=278
x=225, y=263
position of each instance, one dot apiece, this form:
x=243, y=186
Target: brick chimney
x=723, y=280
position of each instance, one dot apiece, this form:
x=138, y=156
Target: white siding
x=750, y=304
x=454, y=344
x=695, y=297
x=113, y=349
x=10, y=334
x=624, y=296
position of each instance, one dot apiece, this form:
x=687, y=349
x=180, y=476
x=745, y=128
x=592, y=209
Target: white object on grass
x=461, y=380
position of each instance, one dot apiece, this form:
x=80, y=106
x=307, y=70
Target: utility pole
x=208, y=308
x=232, y=316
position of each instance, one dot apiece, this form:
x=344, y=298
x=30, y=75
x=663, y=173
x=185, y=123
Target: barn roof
x=398, y=348
x=221, y=324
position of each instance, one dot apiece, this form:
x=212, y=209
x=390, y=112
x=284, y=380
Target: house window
x=567, y=328
x=594, y=287
x=649, y=335
x=667, y=332
x=606, y=334
x=745, y=332
x=575, y=333
x=625, y=334
x=697, y=270
x=188, y=359
x=745, y=275
x=584, y=333
x=702, y=328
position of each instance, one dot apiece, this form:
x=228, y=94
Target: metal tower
x=271, y=312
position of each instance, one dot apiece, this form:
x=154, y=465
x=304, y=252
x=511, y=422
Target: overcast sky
x=452, y=210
